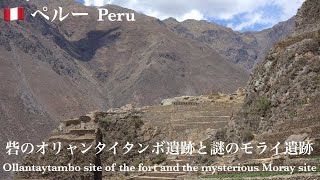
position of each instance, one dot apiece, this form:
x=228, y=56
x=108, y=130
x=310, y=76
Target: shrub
x=262, y=105
x=208, y=145
x=316, y=79
x=247, y=135
x=105, y=121
x=136, y=162
x=292, y=114
x=158, y=159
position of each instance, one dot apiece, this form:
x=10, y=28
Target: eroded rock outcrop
x=283, y=93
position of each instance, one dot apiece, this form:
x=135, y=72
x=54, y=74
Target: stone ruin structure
x=82, y=129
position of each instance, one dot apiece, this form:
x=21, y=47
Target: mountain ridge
x=283, y=91
x=52, y=71
x=243, y=48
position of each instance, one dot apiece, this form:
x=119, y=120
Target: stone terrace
x=189, y=119
x=194, y=119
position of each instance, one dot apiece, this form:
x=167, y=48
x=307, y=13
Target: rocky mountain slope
x=143, y=62
x=40, y=82
x=245, y=49
x=56, y=70
x=283, y=91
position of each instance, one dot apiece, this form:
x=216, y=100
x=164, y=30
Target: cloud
x=193, y=14
x=250, y=20
x=95, y=2
x=252, y=11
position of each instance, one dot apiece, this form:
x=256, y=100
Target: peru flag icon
x=13, y=14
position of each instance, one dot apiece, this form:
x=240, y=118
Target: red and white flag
x=13, y=14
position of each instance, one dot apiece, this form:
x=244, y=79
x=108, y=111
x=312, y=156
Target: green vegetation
x=302, y=102
x=316, y=79
x=262, y=105
x=208, y=145
x=246, y=175
x=136, y=162
x=208, y=158
x=292, y=114
x=105, y=121
x=254, y=174
x=314, y=157
x=159, y=159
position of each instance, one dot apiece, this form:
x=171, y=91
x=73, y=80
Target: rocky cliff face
x=244, y=49
x=283, y=91
x=56, y=70
x=308, y=17
x=52, y=71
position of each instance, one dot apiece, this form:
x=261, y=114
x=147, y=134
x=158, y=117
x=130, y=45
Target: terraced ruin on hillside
x=80, y=129
x=179, y=119
x=187, y=118
x=194, y=118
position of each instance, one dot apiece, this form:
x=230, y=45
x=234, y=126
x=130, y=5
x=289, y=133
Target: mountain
x=51, y=71
x=244, y=49
x=308, y=17
x=143, y=62
x=41, y=83
x=283, y=93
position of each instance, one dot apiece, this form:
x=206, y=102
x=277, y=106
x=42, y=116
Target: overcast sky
x=240, y=15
